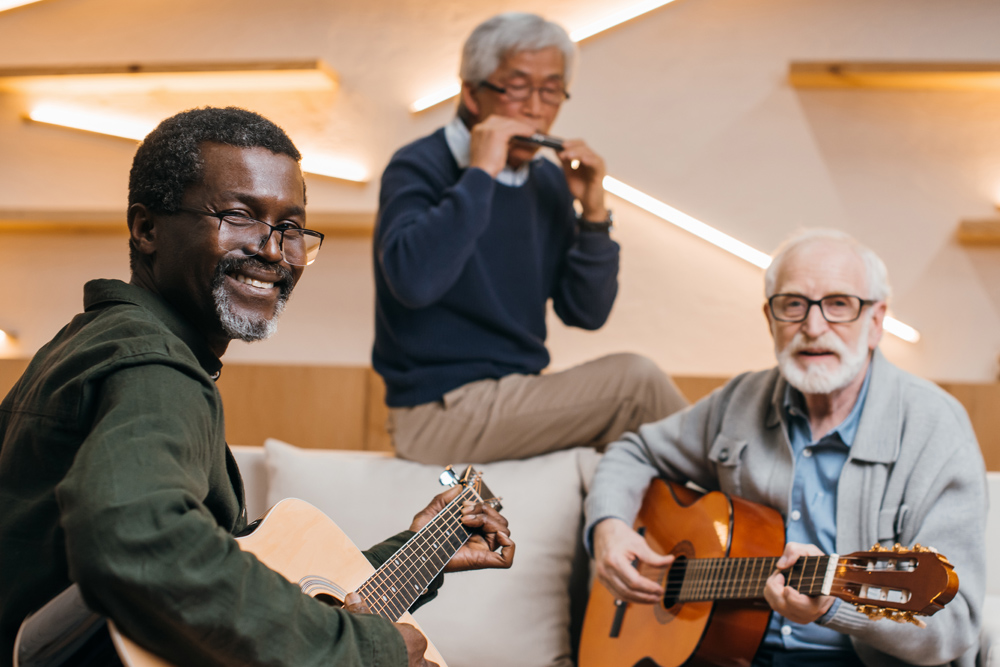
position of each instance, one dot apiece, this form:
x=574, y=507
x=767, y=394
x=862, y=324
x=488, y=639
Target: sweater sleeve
x=946, y=509
x=588, y=283
x=147, y=552
x=427, y=230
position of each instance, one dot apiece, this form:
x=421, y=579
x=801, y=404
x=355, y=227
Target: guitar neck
x=701, y=579
x=397, y=584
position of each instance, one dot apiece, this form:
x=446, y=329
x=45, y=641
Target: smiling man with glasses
x=115, y=475
x=848, y=448
x=475, y=234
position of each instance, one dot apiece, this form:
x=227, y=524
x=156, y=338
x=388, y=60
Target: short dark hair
x=169, y=158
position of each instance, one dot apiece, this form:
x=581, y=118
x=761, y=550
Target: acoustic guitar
x=725, y=548
x=301, y=543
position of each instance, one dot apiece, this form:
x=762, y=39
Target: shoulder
x=920, y=400
x=432, y=149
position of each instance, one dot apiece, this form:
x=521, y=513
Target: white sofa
x=531, y=613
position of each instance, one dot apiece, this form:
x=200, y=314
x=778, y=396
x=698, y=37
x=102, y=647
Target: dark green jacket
x=115, y=475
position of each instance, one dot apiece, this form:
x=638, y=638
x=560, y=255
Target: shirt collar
x=795, y=407
x=458, y=138
x=98, y=293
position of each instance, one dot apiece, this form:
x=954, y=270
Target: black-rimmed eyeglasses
x=519, y=92
x=299, y=247
x=836, y=308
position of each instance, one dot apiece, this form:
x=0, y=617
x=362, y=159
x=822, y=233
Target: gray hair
x=878, y=277
x=511, y=32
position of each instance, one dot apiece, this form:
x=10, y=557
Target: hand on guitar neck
x=787, y=601
x=490, y=532
x=618, y=553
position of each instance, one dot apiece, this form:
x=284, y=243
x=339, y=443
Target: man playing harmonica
x=475, y=234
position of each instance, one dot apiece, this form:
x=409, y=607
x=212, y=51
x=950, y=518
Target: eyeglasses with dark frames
x=517, y=92
x=835, y=308
x=299, y=247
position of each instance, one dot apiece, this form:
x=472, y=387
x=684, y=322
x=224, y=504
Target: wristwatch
x=603, y=226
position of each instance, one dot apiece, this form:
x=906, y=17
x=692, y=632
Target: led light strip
x=11, y=4
x=101, y=122
x=724, y=241
x=577, y=35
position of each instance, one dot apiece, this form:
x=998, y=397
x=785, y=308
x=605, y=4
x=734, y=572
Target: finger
x=356, y=604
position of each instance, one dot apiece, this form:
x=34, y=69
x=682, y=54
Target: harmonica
x=541, y=140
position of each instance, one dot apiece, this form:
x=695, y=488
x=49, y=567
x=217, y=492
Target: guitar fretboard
x=396, y=585
x=741, y=578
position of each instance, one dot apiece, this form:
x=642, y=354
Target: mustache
x=827, y=341
x=285, y=280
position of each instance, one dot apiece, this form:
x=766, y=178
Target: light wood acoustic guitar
x=301, y=543
x=725, y=548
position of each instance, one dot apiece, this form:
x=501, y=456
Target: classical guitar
x=725, y=548
x=298, y=541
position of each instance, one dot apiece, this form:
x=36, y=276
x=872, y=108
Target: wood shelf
x=895, y=75
x=979, y=232
x=271, y=75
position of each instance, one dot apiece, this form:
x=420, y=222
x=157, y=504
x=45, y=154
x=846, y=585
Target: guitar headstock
x=898, y=583
x=473, y=479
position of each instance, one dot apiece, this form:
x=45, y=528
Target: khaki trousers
x=519, y=416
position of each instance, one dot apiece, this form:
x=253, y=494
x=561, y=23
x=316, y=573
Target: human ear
x=141, y=229
x=767, y=316
x=469, y=100
x=875, y=331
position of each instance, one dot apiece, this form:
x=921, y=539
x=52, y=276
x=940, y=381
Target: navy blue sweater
x=464, y=267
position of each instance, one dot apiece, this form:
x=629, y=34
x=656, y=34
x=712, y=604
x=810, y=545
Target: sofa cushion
x=519, y=617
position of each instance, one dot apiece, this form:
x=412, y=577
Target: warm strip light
x=724, y=241
x=11, y=4
x=114, y=125
x=577, y=35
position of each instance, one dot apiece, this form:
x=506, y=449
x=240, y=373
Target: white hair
x=508, y=33
x=878, y=277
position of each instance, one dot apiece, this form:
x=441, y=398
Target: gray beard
x=822, y=381
x=238, y=326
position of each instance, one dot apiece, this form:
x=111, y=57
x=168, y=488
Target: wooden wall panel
x=307, y=406
x=982, y=402
x=10, y=371
x=343, y=407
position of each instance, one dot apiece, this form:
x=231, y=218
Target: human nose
x=814, y=324
x=271, y=250
x=532, y=104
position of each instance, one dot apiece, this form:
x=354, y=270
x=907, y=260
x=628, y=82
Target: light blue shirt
x=458, y=138
x=812, y=514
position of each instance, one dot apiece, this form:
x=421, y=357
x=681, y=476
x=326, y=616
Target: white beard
x=819, y=380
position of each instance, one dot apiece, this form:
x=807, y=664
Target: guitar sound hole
x=675, y=578
x=326, y=598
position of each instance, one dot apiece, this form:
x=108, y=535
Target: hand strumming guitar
x=616, y=548
x=489, y=532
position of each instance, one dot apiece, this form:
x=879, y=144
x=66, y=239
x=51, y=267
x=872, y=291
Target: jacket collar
x=878, y=436
x=101, y=293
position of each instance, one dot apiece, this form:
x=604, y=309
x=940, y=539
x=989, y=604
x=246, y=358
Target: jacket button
x=724, y=455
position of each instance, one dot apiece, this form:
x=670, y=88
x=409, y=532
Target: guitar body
x=302, y=544
x=726, y=633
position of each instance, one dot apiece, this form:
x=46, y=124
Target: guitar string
x=411, y=574
x=443, y=533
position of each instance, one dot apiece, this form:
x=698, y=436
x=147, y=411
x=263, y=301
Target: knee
x=656, y=393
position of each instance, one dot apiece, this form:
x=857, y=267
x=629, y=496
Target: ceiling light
x=126, y=127
x=722, y=240
x=11, y=4
x=580, y=34
x=7, y=337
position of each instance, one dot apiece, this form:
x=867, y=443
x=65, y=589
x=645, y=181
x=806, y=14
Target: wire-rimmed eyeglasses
x=299, y=246
x=519, y=92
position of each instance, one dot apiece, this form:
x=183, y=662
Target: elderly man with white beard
x=848, y=448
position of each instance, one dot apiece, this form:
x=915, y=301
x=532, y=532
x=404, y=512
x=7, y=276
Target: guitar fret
x=396, y=585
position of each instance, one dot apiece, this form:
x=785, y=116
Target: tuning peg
x=448, y=477
x=878, y=548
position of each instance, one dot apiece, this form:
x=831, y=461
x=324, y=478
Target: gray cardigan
x=915, y=474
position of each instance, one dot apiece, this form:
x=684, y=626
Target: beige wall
x=689, y=103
